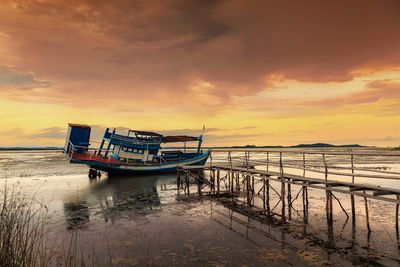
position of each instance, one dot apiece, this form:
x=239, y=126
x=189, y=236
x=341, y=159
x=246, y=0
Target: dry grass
x=22, y=229
x=25, y=227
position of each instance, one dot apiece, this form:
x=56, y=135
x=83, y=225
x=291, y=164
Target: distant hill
x=324, y=145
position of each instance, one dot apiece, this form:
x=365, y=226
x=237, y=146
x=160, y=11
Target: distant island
x=317, y=145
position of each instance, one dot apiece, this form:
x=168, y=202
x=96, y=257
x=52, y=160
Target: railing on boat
x=73, y=148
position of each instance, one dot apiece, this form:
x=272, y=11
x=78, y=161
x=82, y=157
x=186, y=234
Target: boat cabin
x=136, y=146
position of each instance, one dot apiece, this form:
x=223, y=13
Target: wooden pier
x=256, y=174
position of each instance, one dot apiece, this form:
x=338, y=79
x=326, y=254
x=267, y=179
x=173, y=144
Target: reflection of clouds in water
x=116, y=198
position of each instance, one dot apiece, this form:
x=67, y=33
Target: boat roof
x=179, y=138
x=145, y=133
x=76, y=125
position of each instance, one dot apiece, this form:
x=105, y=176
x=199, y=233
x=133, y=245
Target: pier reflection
x=115, y=198
x=298, y=237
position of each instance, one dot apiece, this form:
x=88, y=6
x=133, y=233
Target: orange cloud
x=185, y=62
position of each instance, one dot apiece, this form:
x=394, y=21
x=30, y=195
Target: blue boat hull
x=129, y=169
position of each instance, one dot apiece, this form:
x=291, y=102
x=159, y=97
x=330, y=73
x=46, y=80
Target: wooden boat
x=135, y=152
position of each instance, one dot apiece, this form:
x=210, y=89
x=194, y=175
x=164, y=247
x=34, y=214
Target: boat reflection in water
x=115, y=198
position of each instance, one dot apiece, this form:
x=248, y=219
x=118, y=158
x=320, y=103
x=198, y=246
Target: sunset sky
x=254, y=72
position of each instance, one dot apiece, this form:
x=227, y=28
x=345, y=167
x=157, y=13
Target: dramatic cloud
x=183, y=63
x=169, y=47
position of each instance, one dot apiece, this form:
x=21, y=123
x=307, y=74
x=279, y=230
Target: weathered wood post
x=212, y=175
x=248, y=189
x=282, y=187
x=198, y=180
x=178, y=179
x=268, y=206
x=252, y=189
x=238, y=181
x=397, y=216
x=212, y=180
x=233, y=181
x=263, y=192
x=329, y=209
x=187, y=181
x=230, y=174
x=218, y=180
x=305, y=191
x=366, y=212
x=289, y=199
x=353, y=206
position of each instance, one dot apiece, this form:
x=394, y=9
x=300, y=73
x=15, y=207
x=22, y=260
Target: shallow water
x=143, y=220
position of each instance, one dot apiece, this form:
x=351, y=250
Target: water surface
x=136, y=220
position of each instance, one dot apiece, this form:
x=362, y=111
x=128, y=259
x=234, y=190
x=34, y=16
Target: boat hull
x=129, y=169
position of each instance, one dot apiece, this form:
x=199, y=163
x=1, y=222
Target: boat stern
x=77, y=140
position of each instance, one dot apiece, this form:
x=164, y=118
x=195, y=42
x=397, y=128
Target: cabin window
x=135, y=150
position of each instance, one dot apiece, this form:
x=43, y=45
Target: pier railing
x=256, y=173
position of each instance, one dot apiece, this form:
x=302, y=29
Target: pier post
x=248, y=189
x=305, y=191
x=397, y=216
x=198, y=180
x=366, y=213
x=305, y=207
x=289, y=199
x=233, y=181
x=252, y=189
x=268, y=207
x=228, y=175
x=238, y=181
x=212, y=178
x=353, y=206
x=263, y=193
x=178, y=180
x=282, y=187
x=218, y=180
x=187, y=181
x=329, y=213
